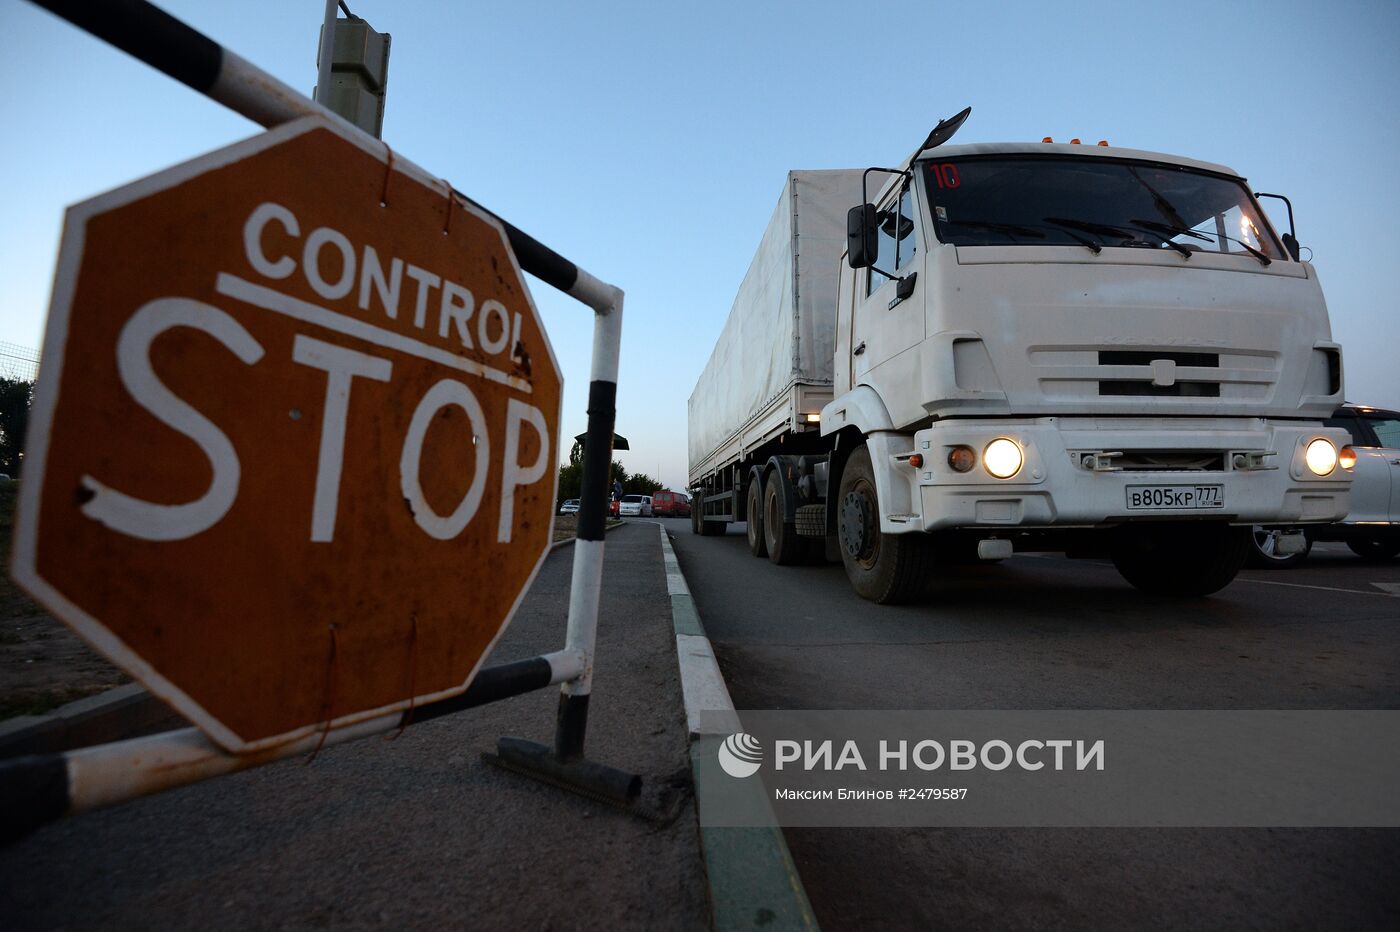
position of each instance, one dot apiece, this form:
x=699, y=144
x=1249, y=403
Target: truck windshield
x=1095, y=203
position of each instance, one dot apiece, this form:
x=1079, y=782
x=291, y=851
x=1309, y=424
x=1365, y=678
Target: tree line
x=16, y=395
x=571, y=478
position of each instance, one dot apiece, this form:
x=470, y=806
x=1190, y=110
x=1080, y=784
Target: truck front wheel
x=1177, y=560
x=884, y=568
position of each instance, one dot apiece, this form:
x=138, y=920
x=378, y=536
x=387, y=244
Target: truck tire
x=884, y=568
x=1184, y=561
x=757, y=545
x=780, y=538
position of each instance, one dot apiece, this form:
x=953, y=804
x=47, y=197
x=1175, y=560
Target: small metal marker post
x=39, y=788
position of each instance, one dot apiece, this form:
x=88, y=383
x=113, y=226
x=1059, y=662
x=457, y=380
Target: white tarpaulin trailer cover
x=781, y=331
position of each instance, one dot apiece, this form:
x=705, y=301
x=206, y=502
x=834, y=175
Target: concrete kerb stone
x=753, y=881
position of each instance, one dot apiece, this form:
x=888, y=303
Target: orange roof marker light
x=1047, y=139
x=1103, y=142
x=1074, y=142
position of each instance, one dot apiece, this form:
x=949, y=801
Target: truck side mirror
x=862, y=242
x=1290, y=242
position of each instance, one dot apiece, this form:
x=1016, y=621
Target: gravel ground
x=417, y=832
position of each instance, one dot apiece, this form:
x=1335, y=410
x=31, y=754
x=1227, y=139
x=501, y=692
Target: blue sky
x=648, y=141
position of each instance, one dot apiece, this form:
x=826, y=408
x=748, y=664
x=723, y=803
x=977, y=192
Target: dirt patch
x=566, y=526
x=43, y=664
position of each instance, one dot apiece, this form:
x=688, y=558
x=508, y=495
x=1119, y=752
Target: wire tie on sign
x=451, y=196
x=388, y=170
x=330, y=694
x=412, y=680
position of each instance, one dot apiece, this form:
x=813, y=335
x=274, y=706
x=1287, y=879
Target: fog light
x=1321, y=457
x=1002, y=458
x=1347, y=458
x=961, y=459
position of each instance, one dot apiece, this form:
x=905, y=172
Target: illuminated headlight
x=1002, y=458
x=1321, y=457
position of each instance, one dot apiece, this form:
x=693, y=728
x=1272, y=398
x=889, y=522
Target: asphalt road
x=415, y=832
x=1042, y=632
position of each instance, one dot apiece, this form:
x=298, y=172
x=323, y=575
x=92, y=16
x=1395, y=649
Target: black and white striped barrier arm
x=39, y=788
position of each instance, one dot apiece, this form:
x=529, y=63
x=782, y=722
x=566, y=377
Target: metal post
x=324, y=56
x=587, y=583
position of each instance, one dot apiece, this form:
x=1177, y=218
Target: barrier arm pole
x=37, y=789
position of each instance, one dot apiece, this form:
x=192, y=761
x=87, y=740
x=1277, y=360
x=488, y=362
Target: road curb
x=753, y=881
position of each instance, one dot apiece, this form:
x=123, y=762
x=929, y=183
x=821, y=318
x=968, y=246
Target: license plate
x=1175, y=497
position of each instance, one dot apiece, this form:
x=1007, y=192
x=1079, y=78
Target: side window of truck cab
x=898, y=238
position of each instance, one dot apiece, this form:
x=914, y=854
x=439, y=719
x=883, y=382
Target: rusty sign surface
x=292, y=455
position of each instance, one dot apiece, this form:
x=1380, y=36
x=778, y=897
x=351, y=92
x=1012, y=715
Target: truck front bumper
x=1237, y=470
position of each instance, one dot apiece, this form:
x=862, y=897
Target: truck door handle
x=859, y=349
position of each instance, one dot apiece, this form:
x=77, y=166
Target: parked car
x=636, y=506
x=570, y=507
x=1372, y=528
x=668, y=504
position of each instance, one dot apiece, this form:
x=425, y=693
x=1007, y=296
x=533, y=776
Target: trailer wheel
x=757, y=545
x=780, y=538
x=1184, y=561
x=884, y=568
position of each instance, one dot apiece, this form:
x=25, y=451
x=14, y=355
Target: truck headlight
x=1321, y=457
x=1002, y=458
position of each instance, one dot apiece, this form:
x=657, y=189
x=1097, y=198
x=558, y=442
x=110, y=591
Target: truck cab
x=1041, y=344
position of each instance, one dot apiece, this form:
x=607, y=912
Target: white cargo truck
x=1086, y=349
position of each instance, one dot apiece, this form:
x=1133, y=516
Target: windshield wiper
x=1197, y=234
x=1098, y=229
x=1009, y=229
x=1171, y=230
x=1128, y=235
x=1016, y=229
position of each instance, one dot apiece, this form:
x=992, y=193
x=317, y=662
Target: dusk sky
x=649, y=142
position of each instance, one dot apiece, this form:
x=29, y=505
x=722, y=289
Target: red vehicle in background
x=670, y=504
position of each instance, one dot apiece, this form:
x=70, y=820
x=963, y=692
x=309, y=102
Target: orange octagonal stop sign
x=292, y=454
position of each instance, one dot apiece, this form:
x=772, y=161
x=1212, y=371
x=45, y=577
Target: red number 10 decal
x=946, y=174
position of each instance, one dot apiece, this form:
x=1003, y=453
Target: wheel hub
x=857, y=526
